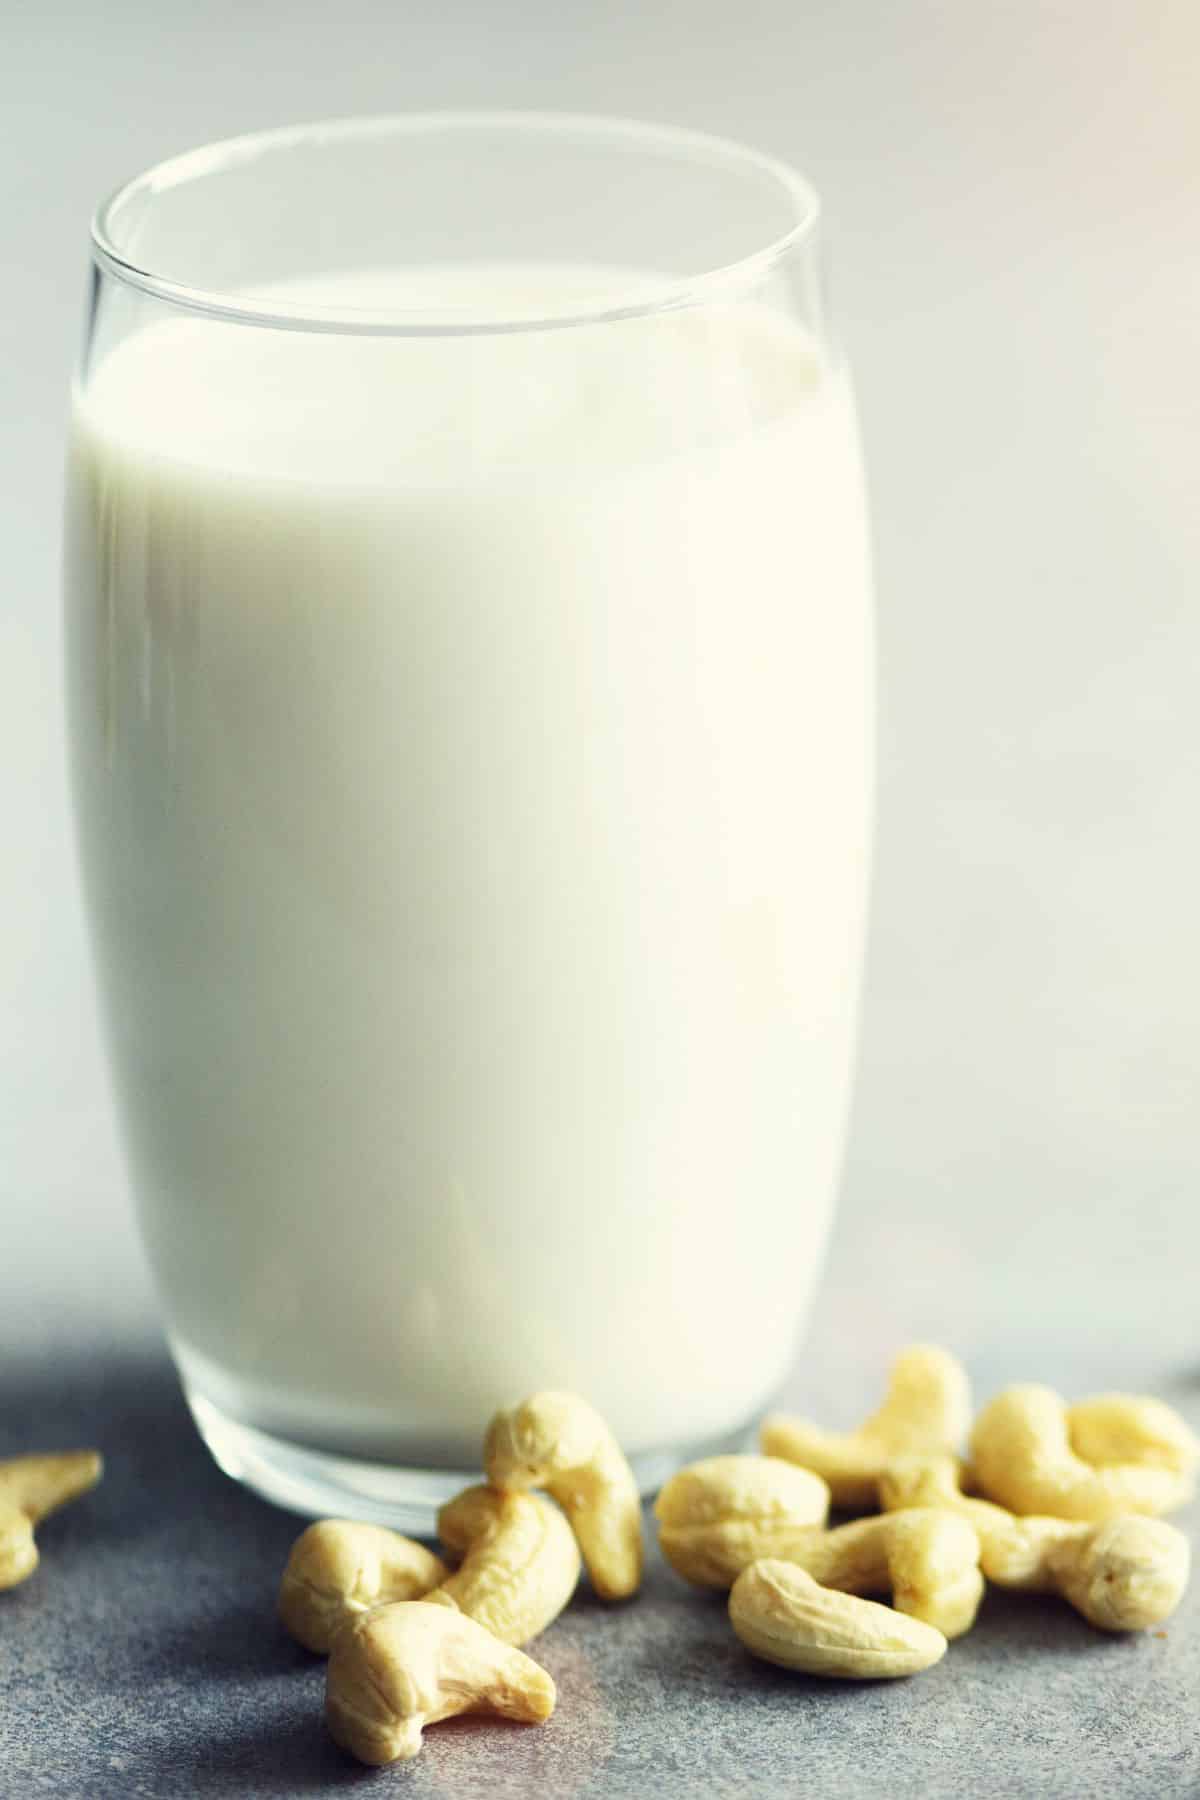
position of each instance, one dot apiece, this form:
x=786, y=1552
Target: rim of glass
x=675, y=293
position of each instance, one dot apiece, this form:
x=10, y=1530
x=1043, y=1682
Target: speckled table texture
x=144, y=1657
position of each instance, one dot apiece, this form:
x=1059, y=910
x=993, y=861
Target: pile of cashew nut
x=1056, y=1499
x=409, y=1642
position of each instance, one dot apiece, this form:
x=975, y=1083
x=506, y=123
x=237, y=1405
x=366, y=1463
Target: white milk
x=471, y=746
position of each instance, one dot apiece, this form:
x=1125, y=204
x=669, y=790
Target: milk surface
x=472, y=743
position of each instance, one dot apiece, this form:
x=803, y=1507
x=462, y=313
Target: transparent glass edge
x=709, y=287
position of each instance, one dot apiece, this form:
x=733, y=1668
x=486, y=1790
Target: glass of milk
x=470, y=692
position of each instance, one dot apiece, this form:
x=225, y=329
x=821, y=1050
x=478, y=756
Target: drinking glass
x=470, y=696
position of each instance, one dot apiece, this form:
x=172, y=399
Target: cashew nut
x=558, y=1442
x=520, y=1561
x=1122, y=1574
x=1127, y=1455
x=718, y=1516
x=30, y=1488
x=782, y=1615
x=398, y=1668
x=927, y=1408
x=339, y=1568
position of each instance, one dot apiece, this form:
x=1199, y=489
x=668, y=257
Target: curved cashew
x=1123, y=1574
x=718, y=1516
x=782, y=1615
x=401, y=1667
x=30, y=1488
x=927, y=1407
x=520, y=1562
x=339, y=1568
x=558, y=1442
x=1130, y=1455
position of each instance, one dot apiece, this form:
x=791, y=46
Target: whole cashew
x=927, y=1407
x=1122, y=1574
x=31, y=1487
x=339, y=1568
x=1129, y=1455
x=558, y=1442
x=782, y=1615
x=520, y=1562
x=718, y=1516
x=401, y=1667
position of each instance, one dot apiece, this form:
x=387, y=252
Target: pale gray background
x=1014, y=192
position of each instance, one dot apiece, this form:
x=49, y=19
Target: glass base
x=317, y=1485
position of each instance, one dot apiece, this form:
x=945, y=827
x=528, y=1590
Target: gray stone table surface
x=144, y=1658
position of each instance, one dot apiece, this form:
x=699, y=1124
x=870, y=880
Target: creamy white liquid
x=471, y=744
